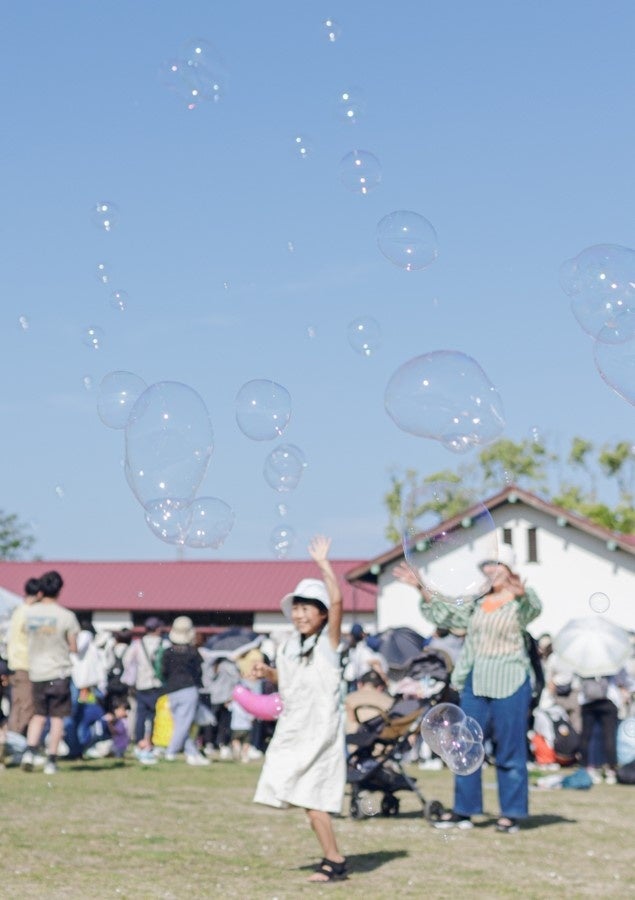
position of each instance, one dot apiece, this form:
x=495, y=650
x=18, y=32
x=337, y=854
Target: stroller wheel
x=389, y=805
x=434, y=810
x=356, y=811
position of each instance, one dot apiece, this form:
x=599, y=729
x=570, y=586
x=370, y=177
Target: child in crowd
x=305, y=761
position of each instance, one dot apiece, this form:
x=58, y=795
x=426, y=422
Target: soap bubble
x=360, y=171
x=263, y=409
x=436, y=722
x=283, y=468
x=169, y=443
x=211, y=521
x=364, y=335
x=281, y=540
x=445, y=395
x=446, y=533
x=24, y=323
x=601, y=283
x=351, y=105
x=628, y=726
x=599, y=602
x=303, y=146
x=169, y=519
x=93, y=337
x=466, y=758
x=407, y=240
x=331, y=30
x=198, y=75
x=119, y=300
x=104, y=215
x=102, y=272
x=369, y=803
x=616, y=365
x=118, y=393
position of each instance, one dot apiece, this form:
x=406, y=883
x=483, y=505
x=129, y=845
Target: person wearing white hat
x=305, y=760
x=493, y=678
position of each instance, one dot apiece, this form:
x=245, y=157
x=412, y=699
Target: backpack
x=114, y=684
x=594, y=688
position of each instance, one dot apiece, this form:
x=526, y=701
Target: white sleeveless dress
x=305, y=763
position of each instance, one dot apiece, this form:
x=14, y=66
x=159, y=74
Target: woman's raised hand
x=405, y=574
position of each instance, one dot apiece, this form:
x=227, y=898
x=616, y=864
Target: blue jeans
x=183, y=705
x=144, y=716
x=505, y=722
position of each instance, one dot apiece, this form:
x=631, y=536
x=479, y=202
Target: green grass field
x=100, y=829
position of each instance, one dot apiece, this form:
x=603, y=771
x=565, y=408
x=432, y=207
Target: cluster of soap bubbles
x=600, y=281
x=434, y=546
x=169, y=442
x=445, y=395
x=197, y=75
x=105, y=216
x=455, y=737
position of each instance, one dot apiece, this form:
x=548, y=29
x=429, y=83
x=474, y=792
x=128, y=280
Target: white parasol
x=593, y=646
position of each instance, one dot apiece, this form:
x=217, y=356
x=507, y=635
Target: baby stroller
x=377, y=751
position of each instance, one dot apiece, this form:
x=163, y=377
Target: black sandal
x=332, y=871
x=507, y=825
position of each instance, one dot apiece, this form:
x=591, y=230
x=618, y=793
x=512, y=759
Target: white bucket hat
x=504, y=557
x=182, y=631
x=307, y=589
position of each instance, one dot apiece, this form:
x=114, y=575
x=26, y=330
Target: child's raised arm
x=319, y=547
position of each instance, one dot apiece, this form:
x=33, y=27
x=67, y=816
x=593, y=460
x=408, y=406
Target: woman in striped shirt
x=492, y=675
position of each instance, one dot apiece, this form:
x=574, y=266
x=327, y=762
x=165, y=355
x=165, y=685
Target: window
x=507, y=536
x=532, y=545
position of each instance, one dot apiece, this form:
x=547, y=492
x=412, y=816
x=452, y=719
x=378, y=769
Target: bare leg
x=34, y=731
x=322, y=825
x=56, y=729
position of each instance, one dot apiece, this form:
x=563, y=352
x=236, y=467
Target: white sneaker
x=31, y=761
x=595, y=775
x=254, y=753
x=225, y=752
x=209, y=751
x=50, y=768
x=169, y=757
x=195, y=759
x=610, y=777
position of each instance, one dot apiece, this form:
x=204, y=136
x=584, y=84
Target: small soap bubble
x=281, y=540
x=87, y=381
x=364, y=335
x=226, y=285
x=302, y=146
x=102, y=272
x=407, y=239
x=24, y=323
x=119, y=300
x=263, y=409
x=369, y=803
x=93, y=337
x=211, y=521
x=311, y=332
x=360, y=171
x=628, y=726
x=283, y=468
x=283, y=510
x=104, y=215
x=59, y=492
x=331, y=30
x=351, y=105
x=290, y=246
x=599, y=602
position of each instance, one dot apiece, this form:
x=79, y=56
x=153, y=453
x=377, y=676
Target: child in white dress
x=305, y=761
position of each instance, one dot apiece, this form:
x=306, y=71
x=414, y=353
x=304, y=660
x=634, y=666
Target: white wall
x=572, y=566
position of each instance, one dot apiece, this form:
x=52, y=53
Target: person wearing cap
x=493, y=678
x=305, y=761
x=139, y=673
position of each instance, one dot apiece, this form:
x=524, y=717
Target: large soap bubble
x=446, y=533
x=445, y=395
x=211, y=521
x=118, y=393
x=407, y=240
x=263, y=409
x=283, y=468
x=601, y=283
x=616, y=365
x=437, y=720
x=169, y=443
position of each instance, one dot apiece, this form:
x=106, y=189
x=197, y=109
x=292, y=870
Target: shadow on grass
x=367, y=862
x=547, y=819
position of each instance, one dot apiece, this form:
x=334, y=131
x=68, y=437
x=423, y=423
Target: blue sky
x=508, y=125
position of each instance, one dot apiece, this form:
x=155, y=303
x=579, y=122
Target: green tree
x=15, y=538
x=530, y=464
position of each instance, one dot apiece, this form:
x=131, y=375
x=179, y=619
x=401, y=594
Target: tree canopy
x=580, y=481
x=15, y=537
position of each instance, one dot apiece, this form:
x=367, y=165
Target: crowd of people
x=163, y=694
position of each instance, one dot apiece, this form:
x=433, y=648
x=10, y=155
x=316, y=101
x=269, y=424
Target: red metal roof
x=182, y=586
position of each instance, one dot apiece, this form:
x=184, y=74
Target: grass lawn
x=100, y=829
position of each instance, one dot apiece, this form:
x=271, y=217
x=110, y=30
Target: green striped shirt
x=494, y=647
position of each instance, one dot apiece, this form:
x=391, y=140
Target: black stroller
x=378, y=749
